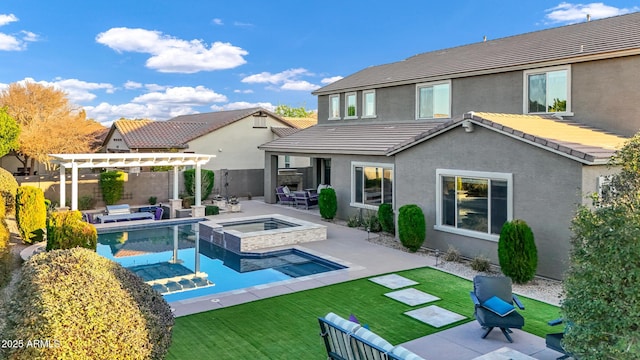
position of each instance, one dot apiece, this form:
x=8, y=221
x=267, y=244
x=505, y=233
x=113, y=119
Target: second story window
x=369, y=103
x=334, y=107
x=433, y=100
x=547, y=90
x=350, y=105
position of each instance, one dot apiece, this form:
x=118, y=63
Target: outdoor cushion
x=373, y=338
x=403, y=353
x=498, y=306
x=341, y=322
x=286, y=190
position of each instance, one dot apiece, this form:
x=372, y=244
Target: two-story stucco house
x=514, y=128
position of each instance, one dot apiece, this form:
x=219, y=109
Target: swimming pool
x=176, y=262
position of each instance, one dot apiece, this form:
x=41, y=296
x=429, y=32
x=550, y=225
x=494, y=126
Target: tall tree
x=288, y=111
x=48, y=123
x=602, y=287
x=9, y=132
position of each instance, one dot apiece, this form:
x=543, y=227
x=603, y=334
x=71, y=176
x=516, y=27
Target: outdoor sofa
x=123, y=212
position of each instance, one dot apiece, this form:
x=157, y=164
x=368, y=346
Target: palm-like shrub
x=66, y=230
x=517, y=251
x=412, y=228
x=89, y=307
x=328, y=203
x=385, y=215
x=207, y=178
x=112, y=186
x=31, y=213
x=8, y=189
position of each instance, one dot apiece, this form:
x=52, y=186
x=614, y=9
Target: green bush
x=112, y=186
x=517, y=251
x=328, y=203
x=480, y=263
x=372, y=223
x=66, y=230
x=452, y=254
x=153, y=200
x=8, y=189
x=412, y=228
x=86, y=202
x=211, y=210
x=354, y=221
x=88, y=307
x=31, y=213
x=207, y=178
x=385, y=215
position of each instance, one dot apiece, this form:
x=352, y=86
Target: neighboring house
x=232, y=136
x=515, y=128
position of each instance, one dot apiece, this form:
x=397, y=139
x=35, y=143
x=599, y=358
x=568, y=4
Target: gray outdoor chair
x=554, y=341
x=489, y=291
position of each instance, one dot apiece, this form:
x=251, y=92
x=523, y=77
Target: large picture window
x=371, y=184
x=473, y=203
x=433, y=100
x=334, y=107
x=547, y=90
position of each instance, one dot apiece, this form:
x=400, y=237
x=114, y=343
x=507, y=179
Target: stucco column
x=270, y=177
x=176, y=191
x=74, y=186
x=175, y=203
x=198, y=189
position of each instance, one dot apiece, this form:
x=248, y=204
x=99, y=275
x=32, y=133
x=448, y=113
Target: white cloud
x=7, y=19
x=299, y=85
x=172, y=55
x=29, y=36
x=573, y=13
x=286, y=80
x=10, y=43
x=193, y=96
x=130, y=85
x=217, y=21
x=241, y=24
x=247, y=91
x=330, y=80
x=77, y=91
x=243, y=105
x=155, y=87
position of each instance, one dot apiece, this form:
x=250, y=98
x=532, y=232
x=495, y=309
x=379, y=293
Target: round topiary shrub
x=88, y=307
x=412, y=228
x=517, y=251
x=385, y=215
x=8, y=189
x=31, y=213
x=328, y=203
x=66, y=230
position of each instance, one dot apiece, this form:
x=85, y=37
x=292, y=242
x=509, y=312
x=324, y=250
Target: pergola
x=112, y=160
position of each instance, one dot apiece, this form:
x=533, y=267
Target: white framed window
x=473, y=203
x=287, y=161
x=371, y=184
x=369, y=104
x=547, y=90
x=334, y=107
x=433, y=100
x=350, y=109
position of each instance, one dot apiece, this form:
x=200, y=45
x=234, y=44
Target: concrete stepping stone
x=504, y=353
x=412, y=297
x=393, y=281
x=435, y=316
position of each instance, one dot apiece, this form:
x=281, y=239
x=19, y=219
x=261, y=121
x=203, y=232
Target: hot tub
x=255, y=233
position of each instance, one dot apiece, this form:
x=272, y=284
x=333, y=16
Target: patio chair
x=493, y=302
x=336, y=331
x=158, y=213
x=304, y=199
x=284, y=196
x=554, y=341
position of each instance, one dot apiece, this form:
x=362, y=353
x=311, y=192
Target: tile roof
x=586, y=144
x=302, y=123
x=364, y=138
x=178, y=131
x=604, y=38
x=284, y=131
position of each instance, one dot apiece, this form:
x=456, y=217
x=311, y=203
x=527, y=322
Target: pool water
x=165, y=257
x=257, y=225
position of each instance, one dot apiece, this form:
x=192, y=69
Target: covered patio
x=129, y=160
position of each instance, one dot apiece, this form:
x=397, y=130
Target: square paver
x=412, y=297
x=435, y=316
x=504, y=353
x=393, y=281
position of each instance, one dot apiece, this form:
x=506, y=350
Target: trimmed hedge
x=385, y=215
x=207, y=178
x=31, y=213
x=328, y=203
x=88, y=307
x=517, y=251
x=8, y=189
x=211, y=210
x=112, y=186
x=66, y=230
x=412, y=228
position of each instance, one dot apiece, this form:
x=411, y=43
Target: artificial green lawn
x=286, y=327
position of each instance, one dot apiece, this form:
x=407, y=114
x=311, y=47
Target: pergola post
x=63, y=188
x=175, y=203
x=74, y=186
x=197, y=210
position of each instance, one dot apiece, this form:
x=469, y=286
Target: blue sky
x=158, y=59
